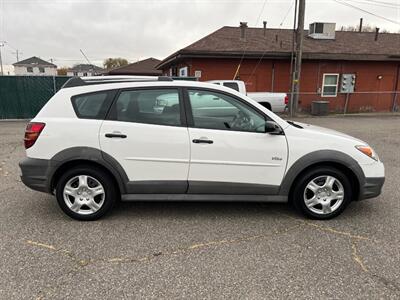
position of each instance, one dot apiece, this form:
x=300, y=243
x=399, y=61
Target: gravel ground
x=201, y=250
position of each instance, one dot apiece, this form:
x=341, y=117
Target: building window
x=330, y=85
x=29, y=69
x=84, y=74
x=183, y=72
x=75, y=73
x=41, y=70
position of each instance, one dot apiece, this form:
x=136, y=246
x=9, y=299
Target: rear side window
x=158, y=106
x=91, y=106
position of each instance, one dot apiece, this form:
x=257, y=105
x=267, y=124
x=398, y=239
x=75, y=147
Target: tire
x=322, y=193
x=266, y=105
x=86, y=199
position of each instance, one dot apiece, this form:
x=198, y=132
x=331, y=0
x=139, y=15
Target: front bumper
x=371, y=188
x=35, y=174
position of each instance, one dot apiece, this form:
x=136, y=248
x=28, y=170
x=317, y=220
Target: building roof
x=85, y=68
x=347, y=45
x=142, y=67
x=33, y=62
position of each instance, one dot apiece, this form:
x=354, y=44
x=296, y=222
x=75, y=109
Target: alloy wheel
x=84, y=194
x=323, y=195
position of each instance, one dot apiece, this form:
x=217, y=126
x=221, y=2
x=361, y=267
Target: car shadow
x=200, y=209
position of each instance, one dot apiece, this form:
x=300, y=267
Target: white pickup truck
x=277, y=102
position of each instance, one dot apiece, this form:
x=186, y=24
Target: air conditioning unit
x=322, y=31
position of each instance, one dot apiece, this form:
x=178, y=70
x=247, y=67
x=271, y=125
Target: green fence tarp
x=21, y=97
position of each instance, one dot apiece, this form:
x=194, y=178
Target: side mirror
x=272, y=128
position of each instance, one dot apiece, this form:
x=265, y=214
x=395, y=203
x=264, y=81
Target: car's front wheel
x=86, y=193
x=322, y=193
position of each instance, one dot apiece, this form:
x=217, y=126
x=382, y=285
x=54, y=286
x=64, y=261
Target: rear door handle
x=115, y=135
x=202, y=141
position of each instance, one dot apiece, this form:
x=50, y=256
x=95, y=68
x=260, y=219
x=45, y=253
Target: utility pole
x=292, y=59
x=299, y=53
x=17, y=53
x=1, y=61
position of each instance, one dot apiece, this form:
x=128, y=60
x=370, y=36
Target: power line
x=286, y=15
x=16, y=51
x=245, y=48
x=396, y=6
x=261, y=11
x=367, y=12
x=383, y=2
x=265, y=51
x=84, y=55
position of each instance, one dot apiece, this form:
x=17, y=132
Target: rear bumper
x=35, y=174
x=372, y=187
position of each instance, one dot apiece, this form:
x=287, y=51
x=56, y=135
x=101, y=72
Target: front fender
x=319, y=157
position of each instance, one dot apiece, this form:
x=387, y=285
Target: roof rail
x=90, y=80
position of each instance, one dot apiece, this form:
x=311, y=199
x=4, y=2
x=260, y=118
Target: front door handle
x=202, y=141
x=115, y=135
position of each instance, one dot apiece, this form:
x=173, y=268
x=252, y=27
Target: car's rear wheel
x=322, y=193
x=266, y=105
x=86, y=193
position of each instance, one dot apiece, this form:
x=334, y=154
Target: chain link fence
x=357, y=102
x=21, y=97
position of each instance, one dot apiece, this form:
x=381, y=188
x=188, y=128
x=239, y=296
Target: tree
x=111, y=63
x=62, y=71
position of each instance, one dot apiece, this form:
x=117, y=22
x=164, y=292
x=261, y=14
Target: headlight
x=367, y=150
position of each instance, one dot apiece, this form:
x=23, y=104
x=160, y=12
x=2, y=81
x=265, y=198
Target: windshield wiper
x=295, y=124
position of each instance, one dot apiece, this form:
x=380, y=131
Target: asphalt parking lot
x=202, y=250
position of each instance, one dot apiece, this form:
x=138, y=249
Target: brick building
x=264, y=56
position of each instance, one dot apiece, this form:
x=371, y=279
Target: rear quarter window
x=93, y=105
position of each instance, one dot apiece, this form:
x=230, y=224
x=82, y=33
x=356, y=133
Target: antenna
x=87, y=59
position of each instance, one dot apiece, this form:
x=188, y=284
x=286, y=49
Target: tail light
x=32, y=133
x=286, y=100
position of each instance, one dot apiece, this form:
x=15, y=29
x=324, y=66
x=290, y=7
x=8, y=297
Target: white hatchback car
x=101, y=139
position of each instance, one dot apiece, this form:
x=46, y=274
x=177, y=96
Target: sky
x=138, y=29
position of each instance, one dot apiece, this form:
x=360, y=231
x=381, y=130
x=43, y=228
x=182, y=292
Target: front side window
x=41, y=69
x=215, y=110
x=90, y=106
x=159, y=107
x=29, y=69
x=330, y=85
